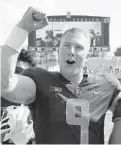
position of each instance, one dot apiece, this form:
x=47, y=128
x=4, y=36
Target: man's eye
x=79, y=47
x=66, y=45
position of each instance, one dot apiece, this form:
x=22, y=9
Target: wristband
x=16, y=38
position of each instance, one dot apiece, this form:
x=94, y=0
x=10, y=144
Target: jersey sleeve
x=29, y=73
x=35, y=73
x=115, y=103
x=117, y=111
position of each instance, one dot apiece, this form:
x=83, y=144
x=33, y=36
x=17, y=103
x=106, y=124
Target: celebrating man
x=67, y=109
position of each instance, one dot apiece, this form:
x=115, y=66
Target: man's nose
x=72, y=51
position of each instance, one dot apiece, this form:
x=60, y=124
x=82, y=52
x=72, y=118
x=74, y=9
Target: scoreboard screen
x=97, y=27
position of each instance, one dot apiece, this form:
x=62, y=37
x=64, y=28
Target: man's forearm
x=9, y=55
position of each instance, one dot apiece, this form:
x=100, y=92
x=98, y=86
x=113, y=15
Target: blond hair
x=75, y=31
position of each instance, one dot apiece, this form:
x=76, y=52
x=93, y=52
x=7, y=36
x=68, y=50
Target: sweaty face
x=72, y=54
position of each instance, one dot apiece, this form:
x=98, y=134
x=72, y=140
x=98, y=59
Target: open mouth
x=70, y=62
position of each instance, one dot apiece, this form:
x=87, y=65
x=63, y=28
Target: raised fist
x=33, y=20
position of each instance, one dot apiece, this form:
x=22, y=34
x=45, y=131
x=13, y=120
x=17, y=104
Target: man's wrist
x=16, y=38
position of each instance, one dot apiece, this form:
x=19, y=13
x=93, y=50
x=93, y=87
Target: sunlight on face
x=74, y=48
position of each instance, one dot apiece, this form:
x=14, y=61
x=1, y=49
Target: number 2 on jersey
x=77, y=113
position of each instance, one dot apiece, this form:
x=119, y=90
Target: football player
x=66, y=109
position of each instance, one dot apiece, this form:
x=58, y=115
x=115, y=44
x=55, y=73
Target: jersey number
x=77, y=113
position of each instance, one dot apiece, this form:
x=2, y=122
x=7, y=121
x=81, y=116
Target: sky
x=12, y=11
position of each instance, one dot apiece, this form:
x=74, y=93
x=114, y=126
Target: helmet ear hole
x=14, y=107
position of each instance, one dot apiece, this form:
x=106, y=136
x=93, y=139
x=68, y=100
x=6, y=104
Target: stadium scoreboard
x=96, y=26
